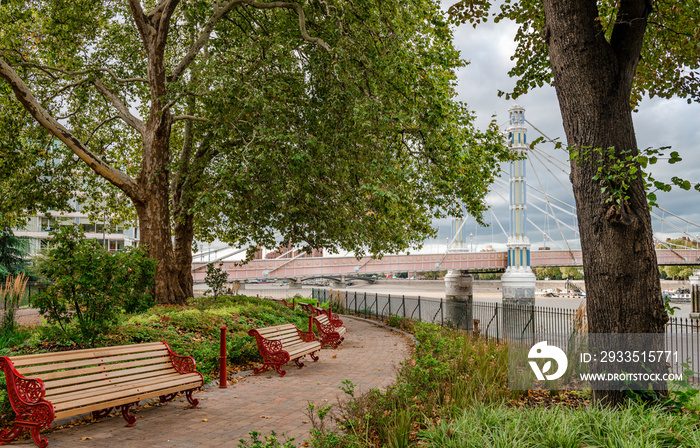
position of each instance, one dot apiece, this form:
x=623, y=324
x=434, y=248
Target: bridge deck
x=350, y=266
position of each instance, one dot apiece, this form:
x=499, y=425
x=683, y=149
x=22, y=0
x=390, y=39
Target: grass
x=447, y=373
x=454, y=393
x=633, y=426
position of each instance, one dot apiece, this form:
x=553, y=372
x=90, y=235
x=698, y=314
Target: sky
x=658, y=123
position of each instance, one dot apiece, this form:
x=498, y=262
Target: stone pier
x=459, y=296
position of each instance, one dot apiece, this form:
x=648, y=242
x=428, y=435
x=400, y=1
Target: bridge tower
x=518, y=282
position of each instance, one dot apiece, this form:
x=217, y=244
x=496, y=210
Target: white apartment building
x=110, y=235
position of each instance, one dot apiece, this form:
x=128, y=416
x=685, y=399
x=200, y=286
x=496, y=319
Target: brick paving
x=368, y=357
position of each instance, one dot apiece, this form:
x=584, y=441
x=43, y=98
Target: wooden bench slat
x=126, y=400
x=128, y=377
x=107, y=374
x=277, y=327
x=41, y=358
x=158, y=387
x=26, y=371
x=270, y=334
x=98, y=368
x=312, y=347
x=99, y=390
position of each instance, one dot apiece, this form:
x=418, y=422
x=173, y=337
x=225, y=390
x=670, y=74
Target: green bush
x=91, y=287
x=215, y=279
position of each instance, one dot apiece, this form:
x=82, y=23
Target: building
x=111, y=236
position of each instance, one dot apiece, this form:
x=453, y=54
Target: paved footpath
x=368, y=357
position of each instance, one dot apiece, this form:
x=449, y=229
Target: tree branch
x=161, y=15
x=628, y=32
x=31, y=104
x=203, y=38
x=66, y=87
x=112, y=118
x=302, y=19
x=220, y=12
x=46, y=69
x=122, y=108
x=142, y=25
x=190, y=118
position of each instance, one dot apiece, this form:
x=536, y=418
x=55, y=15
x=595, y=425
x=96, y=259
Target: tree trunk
x=184, y=236
x=593, y=80
x=154, y=225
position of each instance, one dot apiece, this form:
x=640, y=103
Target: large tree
x=602, y=57
x=314, y=123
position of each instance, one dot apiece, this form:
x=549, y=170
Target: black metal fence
x=494, y=320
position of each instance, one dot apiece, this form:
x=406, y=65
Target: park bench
x=289, y=304
x=281, y=344
x=49, y=386
x=328, y=333
x=317, y=311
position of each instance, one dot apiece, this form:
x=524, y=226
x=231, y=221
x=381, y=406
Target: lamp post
x=471, y=240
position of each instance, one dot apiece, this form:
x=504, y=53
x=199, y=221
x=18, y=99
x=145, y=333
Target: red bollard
x=222, y=359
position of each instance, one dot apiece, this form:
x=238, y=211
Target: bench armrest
x=306, y=336
x=30, y=390
x=26, y=395
x=266, y=346
x=183, y=364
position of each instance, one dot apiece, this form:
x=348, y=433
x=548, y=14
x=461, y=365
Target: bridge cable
x=548, y=196
x=672, y=225
x=552, y=210
x=542, y=133
x=530, y=221
x=682, y=219
x=503, y=183
x=671, y=249
x=550, y=172
x=563, y=166
x=499, y=224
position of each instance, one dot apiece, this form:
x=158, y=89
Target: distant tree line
x=559, y=273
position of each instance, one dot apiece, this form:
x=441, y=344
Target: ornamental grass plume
x=10, y=296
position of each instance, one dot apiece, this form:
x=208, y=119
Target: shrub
x=91, y=286
x=216, y=279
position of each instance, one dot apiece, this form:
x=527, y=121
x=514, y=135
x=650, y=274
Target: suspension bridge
x=547, y=193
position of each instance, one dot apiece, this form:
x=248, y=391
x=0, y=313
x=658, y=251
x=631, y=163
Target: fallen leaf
x=265, y=416
x=205, y=419
x=305, y=421
x=86, y=438
x=305, y=444
x=335, y=356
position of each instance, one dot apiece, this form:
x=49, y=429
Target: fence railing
x=489, y=319
x=493, y=320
